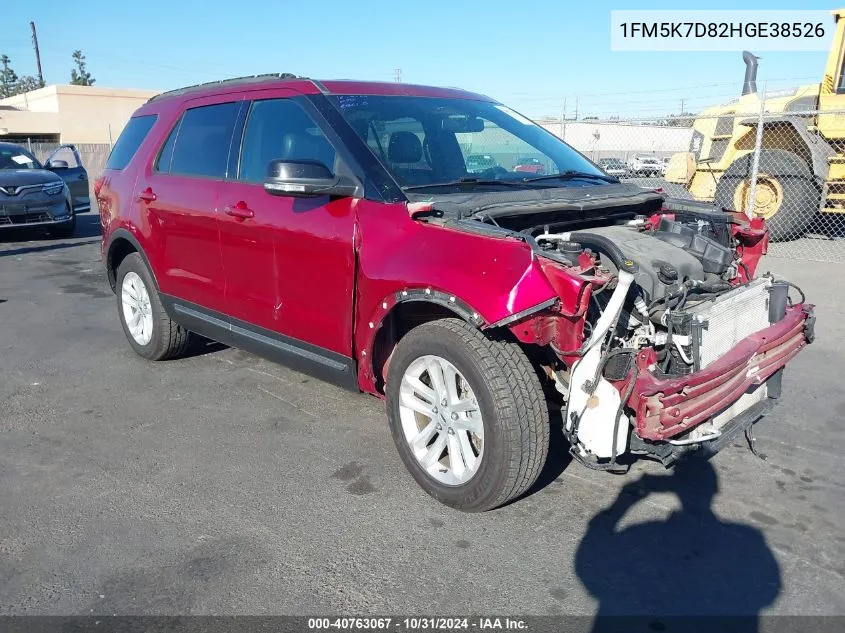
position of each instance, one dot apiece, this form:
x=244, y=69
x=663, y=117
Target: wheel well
x=118, y=250
x=403, y=318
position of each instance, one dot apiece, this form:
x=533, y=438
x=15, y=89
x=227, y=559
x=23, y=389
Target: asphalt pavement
x=225, y=484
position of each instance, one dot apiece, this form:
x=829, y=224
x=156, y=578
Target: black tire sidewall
x=478, y=492
x=801, y=196
x=134, y=263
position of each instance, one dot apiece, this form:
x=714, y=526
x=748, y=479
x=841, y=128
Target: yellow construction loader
x=801, y=166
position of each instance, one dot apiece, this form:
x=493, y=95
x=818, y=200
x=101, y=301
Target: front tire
x=467, y=414
x=786, y=196
x=148, y=328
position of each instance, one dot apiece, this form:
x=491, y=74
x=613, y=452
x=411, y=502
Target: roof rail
x=226, y=82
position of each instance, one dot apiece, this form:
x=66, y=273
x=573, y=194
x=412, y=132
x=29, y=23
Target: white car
x=647, y=166
x=613, y=167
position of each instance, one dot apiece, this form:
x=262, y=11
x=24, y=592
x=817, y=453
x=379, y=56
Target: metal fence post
x=755, y=163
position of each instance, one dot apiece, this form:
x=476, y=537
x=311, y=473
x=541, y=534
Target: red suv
x=334, y=226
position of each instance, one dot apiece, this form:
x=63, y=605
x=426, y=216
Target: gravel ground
x=225, y=484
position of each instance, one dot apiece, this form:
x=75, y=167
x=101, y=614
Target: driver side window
x=280, y=129
x=66, y=154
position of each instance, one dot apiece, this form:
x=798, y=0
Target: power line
x=650, y=91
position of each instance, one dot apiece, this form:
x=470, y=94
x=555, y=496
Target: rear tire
x=163, y=338
x=509, y=404
x=785, y=186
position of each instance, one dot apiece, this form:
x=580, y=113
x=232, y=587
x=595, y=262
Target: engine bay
x=677, y=261
x=659, y=282
x=652, y=345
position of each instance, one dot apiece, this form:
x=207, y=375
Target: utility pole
x=397, y=75
x=576, y=107
x=37, y=55
x=563, y=121
x=682, y=105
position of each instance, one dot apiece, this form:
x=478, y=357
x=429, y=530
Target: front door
x=289, y=262
x=180, y=191
x=66, y=164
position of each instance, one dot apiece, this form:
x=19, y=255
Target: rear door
x=179, y=189
x=66, y=164
x=289, y=261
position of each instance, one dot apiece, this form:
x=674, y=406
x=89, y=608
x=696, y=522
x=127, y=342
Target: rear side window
x=201, y=145
x=129, y=141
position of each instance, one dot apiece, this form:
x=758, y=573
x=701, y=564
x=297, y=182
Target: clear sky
x=528, y=54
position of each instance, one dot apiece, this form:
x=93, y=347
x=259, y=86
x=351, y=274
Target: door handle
x=240, y=211
x=147, y=195
x=82, y=177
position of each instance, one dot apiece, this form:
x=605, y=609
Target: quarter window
x=281, y=129
x=166, y=155
x=201, y=146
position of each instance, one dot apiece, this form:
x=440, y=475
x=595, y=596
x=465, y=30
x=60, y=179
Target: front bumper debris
x=669, y=407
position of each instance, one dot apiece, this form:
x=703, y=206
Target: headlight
x=52, y=188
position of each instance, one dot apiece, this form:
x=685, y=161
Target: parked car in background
x=66, y=163
x=477, y=163
x=648, y=166
x=475, y=306
x=613, y=167
x=530, y=165
x=31, y=195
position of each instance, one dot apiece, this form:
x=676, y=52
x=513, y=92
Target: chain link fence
x=786, y=166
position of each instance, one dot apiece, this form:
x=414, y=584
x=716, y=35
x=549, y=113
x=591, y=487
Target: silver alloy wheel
x=441, y=420
x=137, y=312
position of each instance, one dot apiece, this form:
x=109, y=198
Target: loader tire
x=787, y=195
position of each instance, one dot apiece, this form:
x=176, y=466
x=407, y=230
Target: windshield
x=17, y=158
x=425, y=141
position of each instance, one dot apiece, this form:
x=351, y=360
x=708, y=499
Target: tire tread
x=520, y=399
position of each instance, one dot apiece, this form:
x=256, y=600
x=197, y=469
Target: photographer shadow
x=654, y=576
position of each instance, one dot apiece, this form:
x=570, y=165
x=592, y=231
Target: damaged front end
x=662, y=341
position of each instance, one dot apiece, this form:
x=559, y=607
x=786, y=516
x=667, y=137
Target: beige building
x=69, y=114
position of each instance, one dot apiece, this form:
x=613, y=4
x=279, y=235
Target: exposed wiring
x=800, y=292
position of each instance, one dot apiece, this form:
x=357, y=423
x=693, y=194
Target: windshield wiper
x=573, y=175
x=470, y=182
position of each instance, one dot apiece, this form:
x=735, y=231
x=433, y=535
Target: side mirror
x=306, y=178
x=57, y=164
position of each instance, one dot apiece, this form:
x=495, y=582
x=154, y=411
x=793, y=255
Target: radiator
x=730, y=318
